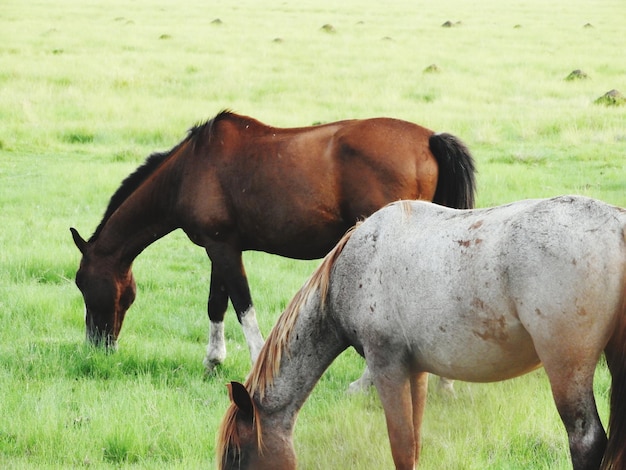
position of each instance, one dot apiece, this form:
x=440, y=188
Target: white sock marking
x=252, y=333
x=216, y=349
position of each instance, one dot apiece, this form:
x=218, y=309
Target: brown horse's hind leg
x=572, y=388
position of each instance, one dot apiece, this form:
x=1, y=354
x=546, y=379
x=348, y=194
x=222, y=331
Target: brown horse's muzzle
x=101, y=339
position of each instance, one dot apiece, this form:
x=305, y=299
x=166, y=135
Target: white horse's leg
x=252, y=333
x=573, y=395
x=571, y=381
x=445, y=386
x=398, y=397
x=216, y=349
x=419, y=392
x=361, y=384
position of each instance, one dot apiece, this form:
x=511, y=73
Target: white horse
x=475, y=295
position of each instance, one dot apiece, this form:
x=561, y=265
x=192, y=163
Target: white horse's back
x=479, y=295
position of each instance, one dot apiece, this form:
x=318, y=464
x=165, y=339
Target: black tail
x=457, y=184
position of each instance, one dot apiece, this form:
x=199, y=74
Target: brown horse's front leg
x=217, y=304
x=228, y=280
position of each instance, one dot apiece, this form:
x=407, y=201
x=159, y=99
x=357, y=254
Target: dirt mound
x=432, y=68
x=577, y=75
x=611, y=98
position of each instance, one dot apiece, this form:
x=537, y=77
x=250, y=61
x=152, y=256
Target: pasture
x=89, y=90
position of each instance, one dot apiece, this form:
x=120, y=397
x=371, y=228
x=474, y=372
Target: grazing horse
x=476, y=295
x=235, y=184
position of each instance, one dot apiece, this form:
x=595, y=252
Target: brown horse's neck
x=144, y=217
x=124, y=240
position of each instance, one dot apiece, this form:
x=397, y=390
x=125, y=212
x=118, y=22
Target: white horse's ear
x=81, y=244
x=241, y=398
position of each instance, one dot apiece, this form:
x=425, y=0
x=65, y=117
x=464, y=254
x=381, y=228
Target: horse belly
x=465, y=329
x=470, y=332
x=481, y=352
x=476, y=335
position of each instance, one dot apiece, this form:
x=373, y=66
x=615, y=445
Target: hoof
x=210, y=365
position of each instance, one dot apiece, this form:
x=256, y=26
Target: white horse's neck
x=312, y=346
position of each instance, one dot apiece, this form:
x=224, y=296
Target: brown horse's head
x=108, y=291
x=242, y=444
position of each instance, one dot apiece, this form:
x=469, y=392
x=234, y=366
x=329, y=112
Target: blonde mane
x=405, y=208
x=267, y=366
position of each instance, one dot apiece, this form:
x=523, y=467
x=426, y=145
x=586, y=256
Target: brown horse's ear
x=241, y=398
x=80, y=242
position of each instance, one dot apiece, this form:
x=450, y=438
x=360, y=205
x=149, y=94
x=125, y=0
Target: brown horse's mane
x=132, y=182
x=267, y=365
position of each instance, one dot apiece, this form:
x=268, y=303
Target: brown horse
x=235, y=184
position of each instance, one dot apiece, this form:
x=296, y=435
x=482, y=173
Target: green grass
x=88, y=90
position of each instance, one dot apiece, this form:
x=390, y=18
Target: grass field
x=89, y=89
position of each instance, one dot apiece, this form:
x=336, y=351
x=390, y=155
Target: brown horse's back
x=294, y=192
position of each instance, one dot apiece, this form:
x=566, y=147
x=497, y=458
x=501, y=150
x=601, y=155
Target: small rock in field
x=432, y=68
x=611, y=98
x=577, y=75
